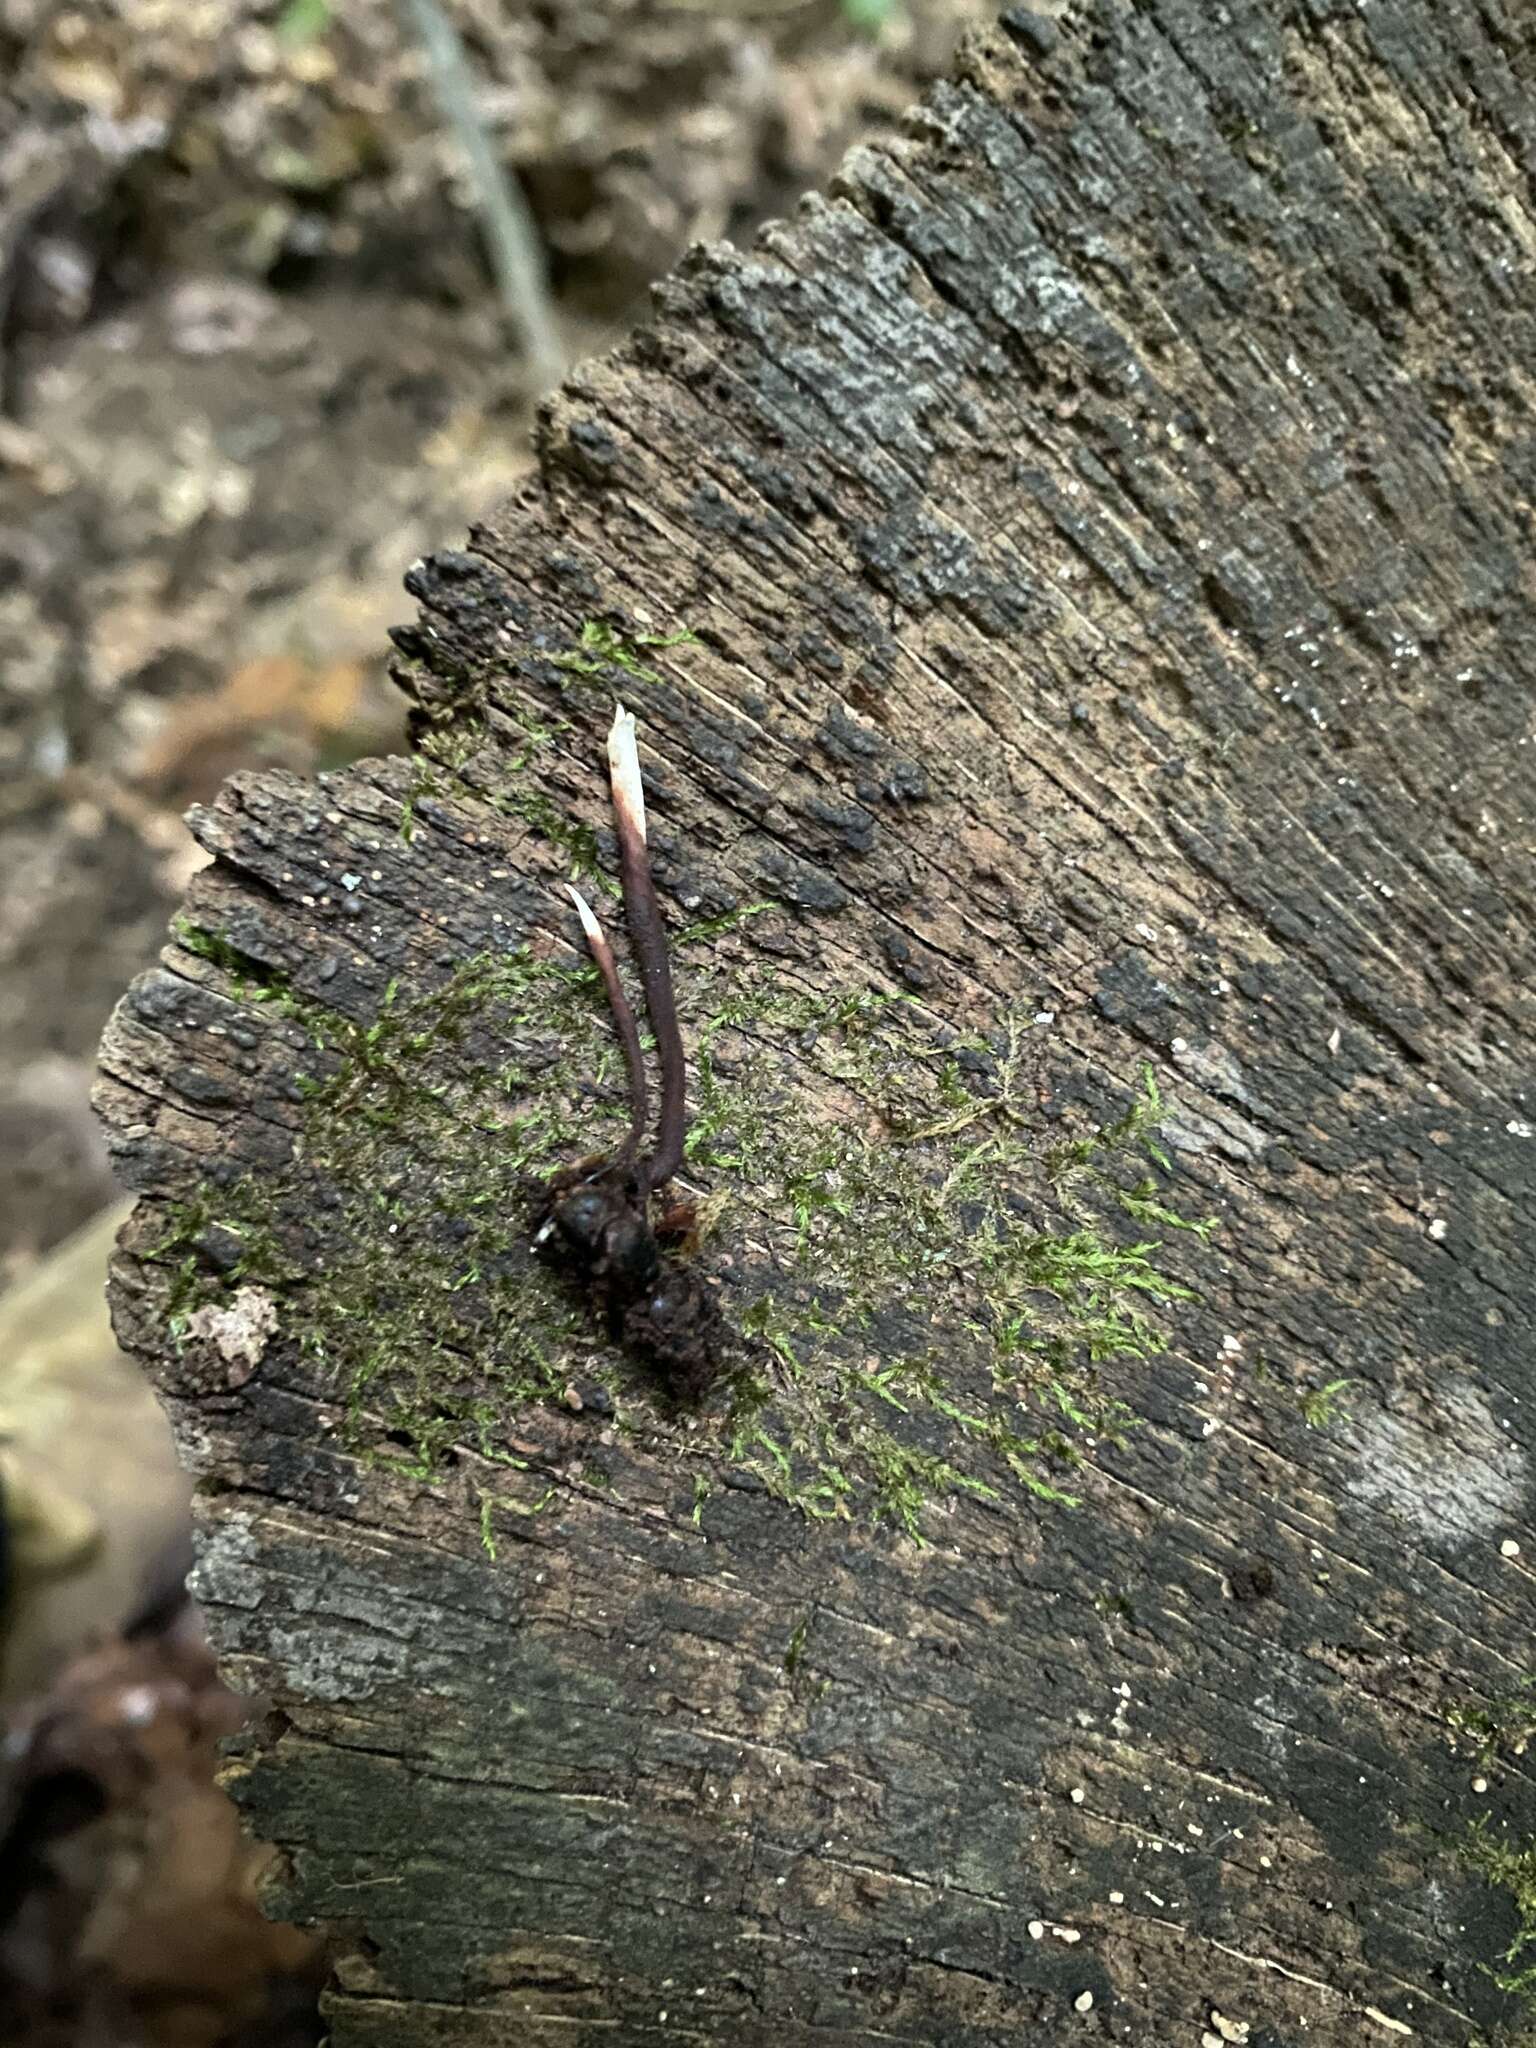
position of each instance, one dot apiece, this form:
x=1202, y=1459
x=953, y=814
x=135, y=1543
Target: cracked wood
x=1105, y=522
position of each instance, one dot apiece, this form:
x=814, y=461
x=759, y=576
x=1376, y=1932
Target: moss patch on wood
x=602, y=648
x=930, y=1295
x=936, y=1290
x=1511, y=1867
x=1503, y=1726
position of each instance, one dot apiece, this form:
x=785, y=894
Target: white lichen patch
x=238, y=1330
x=340, y=1645
x=226, y=1573
x=1451, y=1473
x=1216, y=1068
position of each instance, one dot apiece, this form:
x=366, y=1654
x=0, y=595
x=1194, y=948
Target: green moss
x=429, y=1131
x=1323, y=1405
x=1501, y=1726
x=931, y=1304
x=1320, y=1404
x=576, y=843
x=794, y=1649
x=1511, y=1866
x=463, y=734
x=424, y=782
x=507, y=1504
x=704, y=928
x=211, y=1245
x=804, y=1688
x=939, y=1303
x=250, y=980
x=602, y=649
x=501, y=780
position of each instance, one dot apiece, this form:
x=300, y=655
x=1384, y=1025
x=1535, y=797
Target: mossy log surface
x=1094, y=811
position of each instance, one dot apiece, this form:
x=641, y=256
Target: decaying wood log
x=1093, y=809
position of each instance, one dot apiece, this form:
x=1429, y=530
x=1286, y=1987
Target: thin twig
x=510, y=235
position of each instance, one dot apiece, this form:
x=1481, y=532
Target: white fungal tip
x=589, y=923
x=624, y=767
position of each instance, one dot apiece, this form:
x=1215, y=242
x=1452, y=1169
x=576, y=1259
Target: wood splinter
x=594, y=1220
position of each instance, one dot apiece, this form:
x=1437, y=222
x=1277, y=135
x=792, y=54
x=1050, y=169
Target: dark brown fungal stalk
x=648, y=937
x=624, y=1022
x=594, y=1220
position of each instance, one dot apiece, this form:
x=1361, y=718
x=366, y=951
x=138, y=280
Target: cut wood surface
x=1093, y=811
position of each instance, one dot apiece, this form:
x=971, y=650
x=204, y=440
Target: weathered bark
x=1105, y=522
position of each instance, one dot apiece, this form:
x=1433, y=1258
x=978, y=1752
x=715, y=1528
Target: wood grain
x=1105, y=519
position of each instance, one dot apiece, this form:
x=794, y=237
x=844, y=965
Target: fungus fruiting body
x=595, y=1217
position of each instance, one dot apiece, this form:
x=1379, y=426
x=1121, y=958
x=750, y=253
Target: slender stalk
x=510, y=236
x=648, y=938
x=624, y=1023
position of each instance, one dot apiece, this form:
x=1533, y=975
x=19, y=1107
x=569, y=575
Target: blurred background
x=279, y=287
